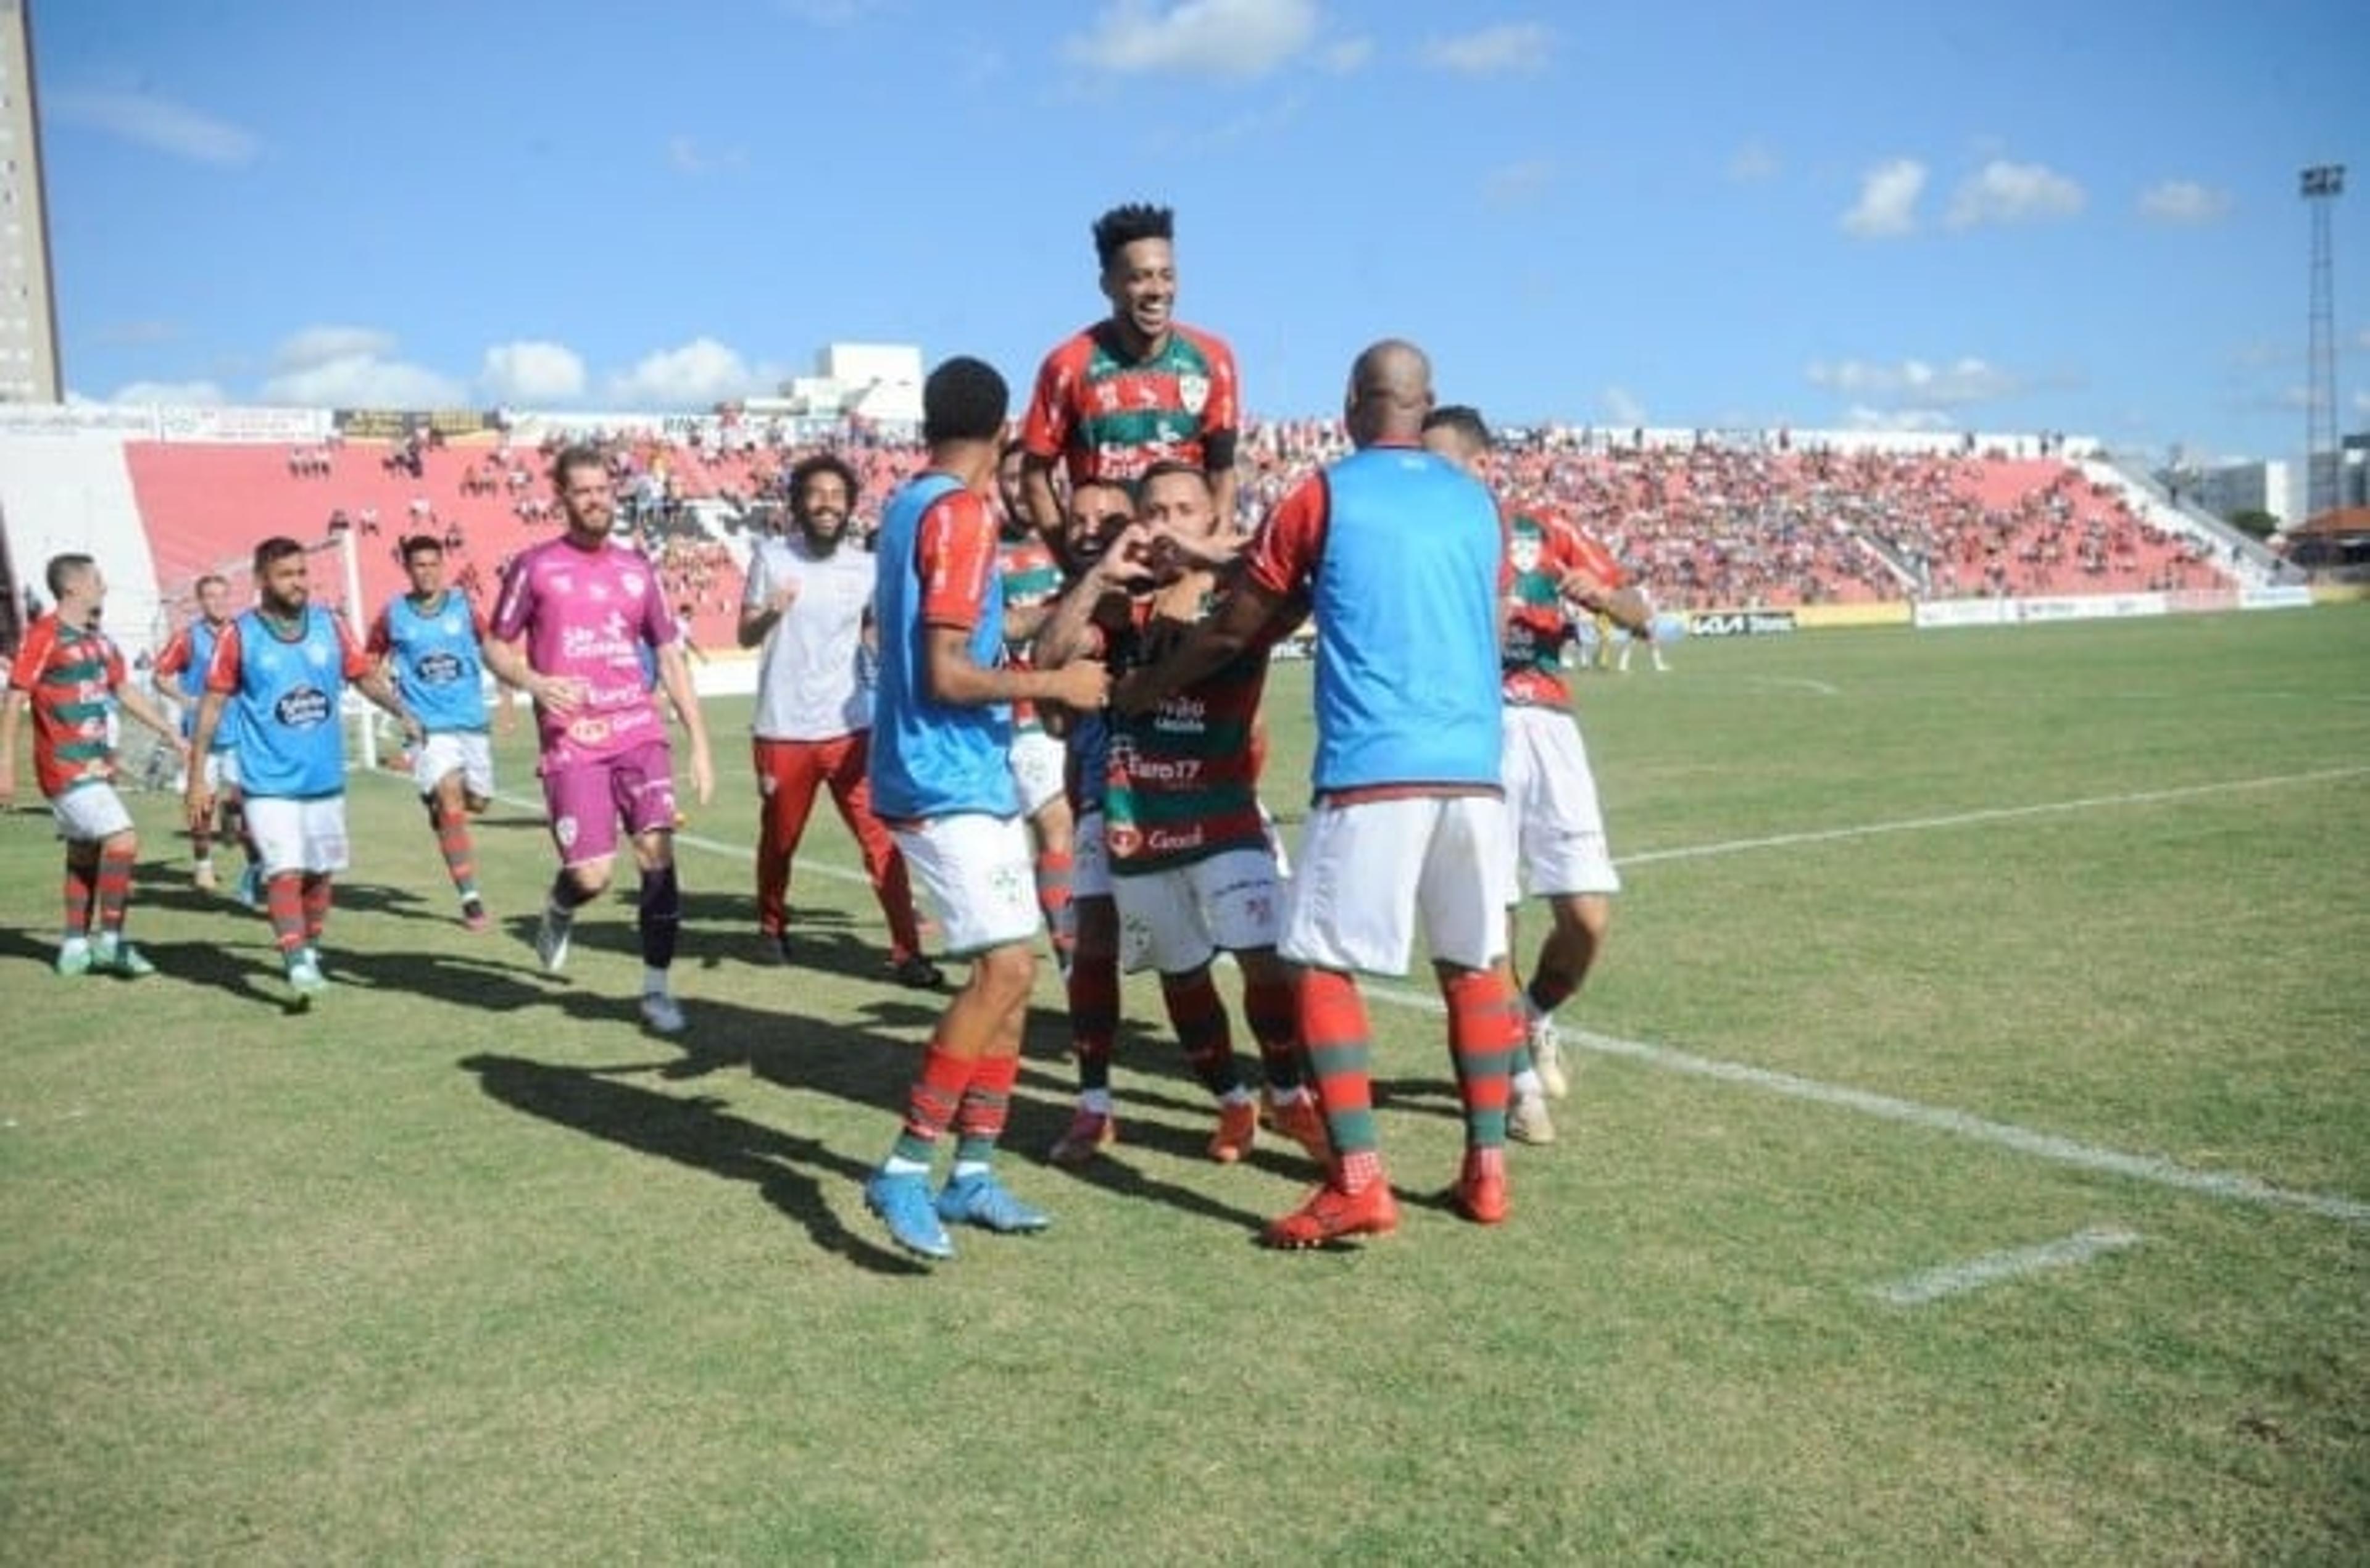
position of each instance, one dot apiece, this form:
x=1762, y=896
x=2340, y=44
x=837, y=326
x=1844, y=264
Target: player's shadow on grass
x=696, y=1133
x=872, y=1064
x=495, y=983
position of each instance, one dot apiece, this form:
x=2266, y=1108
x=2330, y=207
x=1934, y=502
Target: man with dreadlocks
x=1136, y=388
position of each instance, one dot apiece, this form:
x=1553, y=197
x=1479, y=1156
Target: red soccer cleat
x=1331, y=1214
x=1480, y=1194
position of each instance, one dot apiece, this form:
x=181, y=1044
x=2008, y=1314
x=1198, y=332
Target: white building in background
x=877, y=382
x=2235, y=487
x=28, y=323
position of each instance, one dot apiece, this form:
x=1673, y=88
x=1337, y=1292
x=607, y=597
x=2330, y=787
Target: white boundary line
x=2154, y=1170
x=1992, y=814
x=1993, y=1268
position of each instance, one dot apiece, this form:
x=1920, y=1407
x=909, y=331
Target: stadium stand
x=1736, y=520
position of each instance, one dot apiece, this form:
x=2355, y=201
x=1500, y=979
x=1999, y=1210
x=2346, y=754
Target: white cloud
x=1965, y=380
x=1346, y=55
x=158, y=124
x=1888, y=199
x=699, y=372
x=1509, y=46
x=532, y=372
x=2183, y=201
x=1519, y=184
x=685, y=155
x=2003, y=192
x=1752, y=162
x=350, y=367
x=1860, y=417
x=320, y=345
x=1622, y=407
x=175, y=394
x=1199, y=37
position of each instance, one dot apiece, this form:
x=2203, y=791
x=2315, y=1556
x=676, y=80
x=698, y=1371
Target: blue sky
x=2007, y=216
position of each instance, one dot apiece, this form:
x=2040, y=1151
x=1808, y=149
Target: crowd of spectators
x=1723, y=520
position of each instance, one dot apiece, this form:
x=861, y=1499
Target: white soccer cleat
x=662, y=1012
x=551, y=935
x=1546, y=1055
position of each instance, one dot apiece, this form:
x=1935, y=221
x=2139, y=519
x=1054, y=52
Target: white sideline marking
x=1956, y=1279
x=1990, y=813
x=2152, y=1169
x=1804, y=681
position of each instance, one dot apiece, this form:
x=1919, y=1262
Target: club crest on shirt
x=1525, y=553
x=1193, y=392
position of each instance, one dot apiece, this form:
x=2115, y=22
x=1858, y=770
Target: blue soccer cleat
x=983, y=1201
x=903, y=1204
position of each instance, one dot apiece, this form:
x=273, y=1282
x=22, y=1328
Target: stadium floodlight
x=2320, y=185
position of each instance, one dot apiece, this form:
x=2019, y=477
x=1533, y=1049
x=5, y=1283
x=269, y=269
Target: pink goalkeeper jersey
x=592, y=616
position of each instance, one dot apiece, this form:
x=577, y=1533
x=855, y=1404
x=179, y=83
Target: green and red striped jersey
x=1105, y=415
x=69, y=676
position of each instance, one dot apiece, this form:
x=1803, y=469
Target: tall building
x=28, y=317
x=2235, y=487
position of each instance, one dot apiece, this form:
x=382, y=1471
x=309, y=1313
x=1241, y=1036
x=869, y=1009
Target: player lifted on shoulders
x=1136, y=388
x=70, y=674
x=1558, y=828
x=432, y=641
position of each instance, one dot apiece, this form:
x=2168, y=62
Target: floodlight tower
x=2320, y=185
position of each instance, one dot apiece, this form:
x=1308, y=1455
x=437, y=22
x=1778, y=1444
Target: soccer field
x=1970, y=1162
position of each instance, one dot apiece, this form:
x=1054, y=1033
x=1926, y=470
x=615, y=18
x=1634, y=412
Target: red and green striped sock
x=81, y=886
x=1333, y=1023
x=938, y=1092
x=1485, y=1034
x=316, y=905
x=115, y=886
x=283, y=901
x=979, y=1115
x=454, y=843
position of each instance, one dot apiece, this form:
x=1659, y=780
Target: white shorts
x=87, y=813
x=297, y=835
x=1368, y=871
x=222, y=770
x=1176, y=921
x=1036, y=761
x=1090, y=874
x=979, y=875
x=467, y=753
x=1556, y=827
x=1275, y=843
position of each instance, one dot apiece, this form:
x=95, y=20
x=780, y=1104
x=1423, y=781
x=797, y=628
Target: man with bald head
x=1399, y=552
